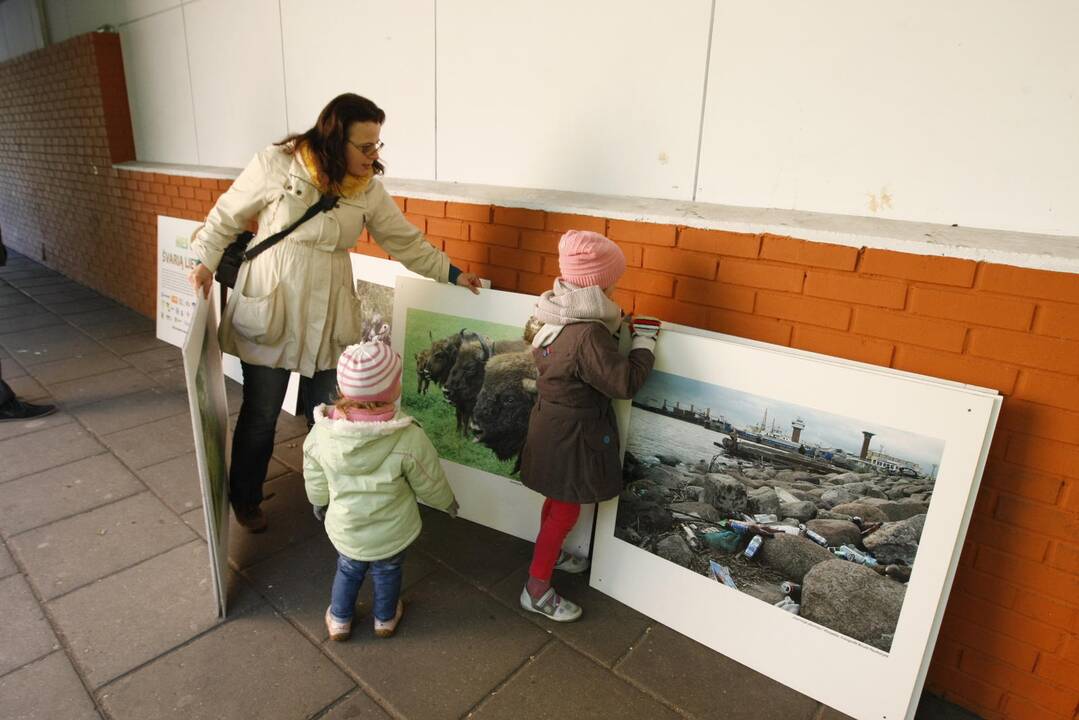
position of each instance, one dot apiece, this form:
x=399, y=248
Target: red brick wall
x=1009, y=645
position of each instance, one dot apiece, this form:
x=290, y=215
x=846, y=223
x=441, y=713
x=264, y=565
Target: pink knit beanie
x=369, y=372
x=588, y=258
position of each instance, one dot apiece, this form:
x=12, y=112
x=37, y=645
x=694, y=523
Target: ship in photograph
x=805, y=510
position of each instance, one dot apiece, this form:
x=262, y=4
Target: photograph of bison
x=817, y=514
x=471, y=384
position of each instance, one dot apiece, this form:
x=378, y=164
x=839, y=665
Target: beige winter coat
x=295, y=306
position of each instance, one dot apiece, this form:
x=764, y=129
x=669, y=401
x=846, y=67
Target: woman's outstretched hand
x=470, y=281
x=201, y=278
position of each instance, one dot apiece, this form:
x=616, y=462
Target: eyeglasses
x=368, y=149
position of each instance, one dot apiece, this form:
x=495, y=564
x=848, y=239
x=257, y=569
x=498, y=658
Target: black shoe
x=251, y=518
x=16, y=409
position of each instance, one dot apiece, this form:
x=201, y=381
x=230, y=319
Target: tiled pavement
x=106, y=600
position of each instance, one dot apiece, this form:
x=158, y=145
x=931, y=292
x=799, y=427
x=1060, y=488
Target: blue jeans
x=252, y=442
x=386, y=575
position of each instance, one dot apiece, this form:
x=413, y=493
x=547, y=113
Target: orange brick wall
x=1009, y=645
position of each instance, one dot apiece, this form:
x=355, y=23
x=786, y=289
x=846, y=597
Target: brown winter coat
x=571, y=452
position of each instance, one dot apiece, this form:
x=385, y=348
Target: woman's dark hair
x=328, y=138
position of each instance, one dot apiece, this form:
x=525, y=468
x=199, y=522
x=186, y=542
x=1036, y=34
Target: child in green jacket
x=364, y=465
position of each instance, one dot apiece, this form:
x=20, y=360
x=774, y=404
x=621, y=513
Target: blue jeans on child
x=386, y=575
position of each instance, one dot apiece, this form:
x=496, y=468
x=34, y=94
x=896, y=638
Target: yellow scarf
x=350, y=187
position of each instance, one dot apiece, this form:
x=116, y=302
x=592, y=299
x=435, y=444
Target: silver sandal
x=552, y=605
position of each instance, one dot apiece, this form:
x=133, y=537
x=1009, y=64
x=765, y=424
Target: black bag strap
x=325, y=203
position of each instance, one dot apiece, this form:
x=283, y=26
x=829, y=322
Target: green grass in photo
x=433, y=412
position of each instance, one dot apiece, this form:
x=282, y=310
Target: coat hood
x=360, y=446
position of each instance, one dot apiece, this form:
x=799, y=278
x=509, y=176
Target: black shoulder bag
x=237, y=251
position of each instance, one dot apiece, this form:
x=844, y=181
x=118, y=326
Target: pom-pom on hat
x=369, y=372
x=588, y=258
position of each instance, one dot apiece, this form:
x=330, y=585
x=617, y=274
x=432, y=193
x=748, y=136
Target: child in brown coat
x=571, y=454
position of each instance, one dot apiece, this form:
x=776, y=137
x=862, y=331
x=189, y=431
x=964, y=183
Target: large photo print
x=469, y=378
x=802, y=515
x=761, y=494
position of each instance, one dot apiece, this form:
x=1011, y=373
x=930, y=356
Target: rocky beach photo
x=828, y=532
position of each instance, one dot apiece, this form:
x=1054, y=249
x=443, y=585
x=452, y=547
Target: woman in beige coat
x=294, y=306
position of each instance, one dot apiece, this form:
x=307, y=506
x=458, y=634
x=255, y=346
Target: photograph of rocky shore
x=817, y=514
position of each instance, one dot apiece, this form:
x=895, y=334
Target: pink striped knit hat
x=369, y=372
x=587, y=258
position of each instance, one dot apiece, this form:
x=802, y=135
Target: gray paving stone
x=44, y=449
x=154, y=442
x=97, y=388
x=176, y=482
x=289, y=516
x=561, y=683
x=117, y=313
x=14, y=428
x=26, y=387
x=78, y=307
x=290, y=453
x=47, y=689
x=45, y=344
x=47, y=295
x=684, y=673
x=152, y=361
x=127, y=619
x=356, y=706
x=65, y=555
x=128, y=344
x=174, y=379
x=123, y=411
x=7, y=563
x=256, y=666
x=78, y=366
x=460, y=543
x=48, y=496
x=29, y=321
x=196, y=520
x=23, y=310
x=137, y=325
x=25, y=634
x=606, y=630
x=12, y=369
x=930, y=707
x=297, y=582
x=454, y=641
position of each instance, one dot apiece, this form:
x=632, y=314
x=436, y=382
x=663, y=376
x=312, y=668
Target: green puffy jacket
x=370, y=474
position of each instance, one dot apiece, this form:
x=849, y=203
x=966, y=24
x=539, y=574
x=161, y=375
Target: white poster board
x=209, y=423
x=723, y=379
x=487, y=498
x=176, y=297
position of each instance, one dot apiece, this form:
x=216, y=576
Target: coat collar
x=298, y=172
x=360, y=429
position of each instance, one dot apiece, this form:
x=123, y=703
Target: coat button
x=606, y=439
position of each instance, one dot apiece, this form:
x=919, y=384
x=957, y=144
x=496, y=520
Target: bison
x=465, y=380
x=433, y=364
x=504, y=403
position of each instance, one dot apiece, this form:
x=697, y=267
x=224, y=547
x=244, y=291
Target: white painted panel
x=56, y=15
x=128, y=10
x=602, y=96
x=236, y=78
x=87, y=15
x=20, y=28
x=961, y=112
x=381, y=50
x=158, y=88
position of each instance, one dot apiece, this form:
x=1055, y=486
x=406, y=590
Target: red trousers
x=556, y=520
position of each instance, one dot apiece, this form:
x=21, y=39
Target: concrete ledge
x=1030, y=250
